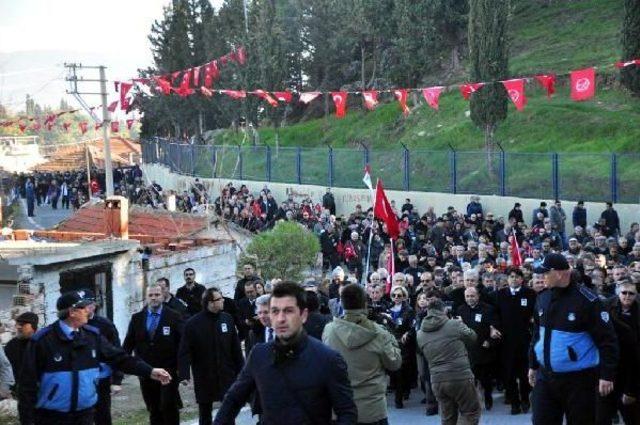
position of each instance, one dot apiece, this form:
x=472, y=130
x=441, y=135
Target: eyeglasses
x=628, y=293
x=397, y=296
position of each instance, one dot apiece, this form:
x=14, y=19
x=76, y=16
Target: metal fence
x=572, y=176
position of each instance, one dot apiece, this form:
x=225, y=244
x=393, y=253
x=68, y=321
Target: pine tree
x=630, y=75
x=488, y=53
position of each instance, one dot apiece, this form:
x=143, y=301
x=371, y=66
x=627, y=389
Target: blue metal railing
x=589, y=176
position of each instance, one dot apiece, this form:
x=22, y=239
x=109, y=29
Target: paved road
x=413, y=413
x=45, y=217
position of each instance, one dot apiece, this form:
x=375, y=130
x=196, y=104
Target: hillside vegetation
x=568, y=34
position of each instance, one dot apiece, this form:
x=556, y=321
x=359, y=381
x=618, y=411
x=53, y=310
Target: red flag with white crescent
x=467, y=89
x=130, y=123
x=370, y=99
x=205, y=91
x=515, y=90
x=66, y=126
x=283, y=96
x=548, y=82
x=112, y=106
x=382, y=210
x=583, y=84
x=516, y=258
x=83, y=126
x=196, y=76
x=241, y=55
x=22, y=127
x=432, y=96
x=124, y=100
x=307, y=97
x=235, y=94
x=340, y=100
x=163, y=85
x=115, y=126
x=97, y=126
x=401, y=96
x=367, y=177
x=266, y=96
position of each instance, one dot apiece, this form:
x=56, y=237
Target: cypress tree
x=630, y=75
x=488, y=52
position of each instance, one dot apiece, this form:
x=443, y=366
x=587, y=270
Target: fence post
x=214, y=161
x=503, y=174
x=299, y=165
x=192, y=152
x=405, y=168
x=330, y=173
x=555, y=175
x=454, y=172
x=365, y=154
x=614, y=177
x=268, y=160
x=240, y=162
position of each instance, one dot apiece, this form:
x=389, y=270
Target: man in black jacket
x=480, y=317
x=110, y=380
x=248, y=275
x=170, y=300
x=211, y=349
x=300, y=380
x=154, y=335
x=247, y=308
x=514, y=307
x=261, y=330
x=191, y=292
x=329, y=202
x=26, y=326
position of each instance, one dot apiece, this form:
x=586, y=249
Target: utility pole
x=73, y=80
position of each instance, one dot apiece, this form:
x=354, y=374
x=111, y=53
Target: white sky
x=38, y=36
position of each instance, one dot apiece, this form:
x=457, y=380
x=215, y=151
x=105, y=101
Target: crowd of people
x=463, y=300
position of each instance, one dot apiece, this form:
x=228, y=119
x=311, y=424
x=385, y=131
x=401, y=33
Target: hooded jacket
x=445, y=344
x=369, y=350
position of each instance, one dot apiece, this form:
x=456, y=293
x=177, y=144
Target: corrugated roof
x=72, y=157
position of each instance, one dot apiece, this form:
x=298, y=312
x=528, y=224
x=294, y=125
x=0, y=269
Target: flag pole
x=373, y=205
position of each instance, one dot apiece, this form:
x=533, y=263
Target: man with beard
x=191, y=292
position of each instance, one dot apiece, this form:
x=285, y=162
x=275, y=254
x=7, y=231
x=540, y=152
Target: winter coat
x=210, y=348
x=445, y=344
x=369, y=351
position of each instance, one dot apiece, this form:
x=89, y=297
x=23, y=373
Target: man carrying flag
x=383, y=211
x=516, y=257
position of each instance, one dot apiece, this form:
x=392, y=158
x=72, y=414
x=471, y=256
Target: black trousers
x=205, y=413
x=609, y=405
x=65, y=202
x=483, y=374
x=162, y=401
x=51, y=417
x=573, y=395
x=30, y=207
x=103, y=406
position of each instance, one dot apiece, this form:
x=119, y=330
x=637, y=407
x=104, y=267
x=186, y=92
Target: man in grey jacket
x=445, y=343
x=369, y=350
x=6, y=376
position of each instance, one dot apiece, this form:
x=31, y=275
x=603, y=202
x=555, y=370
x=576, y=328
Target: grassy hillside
x=567, y=35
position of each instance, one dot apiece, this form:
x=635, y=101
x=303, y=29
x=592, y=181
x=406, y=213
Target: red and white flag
x=382, y=210
x=83, y=126
x=621, y=65
x=340, y=100
x=266, y=96
x=401, y=96
x=515, y=90
x=112, y=106
x=432, y=96
x=516, y=258
x=196, y=76
x=283, y=96
x=367, y=177
x=205, y=91
x=22, y=127
x=307, y=97
x=467, y=89
x=66, y=126
x=163, y=86
x=370, y=99
x=241, y=55
x=130, y=123
x=115, y=126
x=235, y=94
x=548, y=82
x=583, y=84
x=124, y=100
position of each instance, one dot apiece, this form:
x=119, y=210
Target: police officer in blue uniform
x=574, y=351
x=61, y=367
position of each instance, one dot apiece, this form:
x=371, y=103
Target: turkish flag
x=467, y=89
x=283, y=96
x=340, y=100
x=163, y=85
x=621, y=65
x=515, y=89
x=124, y=89
x=83, y=127
x=235, y=94
x=184, y=90
x=211, y=73
x=432, y=96
x=130, y=123
x=115, y=126
x=401, y=96
x=309, y=96
x=22, y=127
x=66, y=126
x=241, y=55
x=174, y=76
x=112, y=106
x=266, y=96
x=548, y=82
x=583, y=84
x=97, y=126
x=516, y=258
x=370, y=99
x=382, y=210
x=36, y=126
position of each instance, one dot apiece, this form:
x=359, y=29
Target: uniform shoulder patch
x=588, y=293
